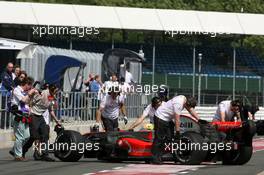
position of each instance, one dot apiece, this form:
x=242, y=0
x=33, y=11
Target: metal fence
x=79, y=107
x=6, y=118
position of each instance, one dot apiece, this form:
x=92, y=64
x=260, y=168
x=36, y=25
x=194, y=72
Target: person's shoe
x=12, y=153
x=24, y=155
x=48, y=159
x=20, y=159
x=37, y=156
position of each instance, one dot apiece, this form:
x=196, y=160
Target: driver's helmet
x=94, y=128
x=149, y=126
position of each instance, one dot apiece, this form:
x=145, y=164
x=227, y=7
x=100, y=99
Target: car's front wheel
x=67, y=146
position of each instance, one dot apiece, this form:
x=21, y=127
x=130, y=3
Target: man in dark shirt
x=7, y=79
x=6, y=89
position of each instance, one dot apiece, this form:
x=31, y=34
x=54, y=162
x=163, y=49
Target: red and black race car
x=234, y=138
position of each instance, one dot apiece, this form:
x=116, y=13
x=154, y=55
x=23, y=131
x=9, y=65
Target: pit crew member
x=228, y=110
x=164, y=125
x=108, y=111
x=149, y=111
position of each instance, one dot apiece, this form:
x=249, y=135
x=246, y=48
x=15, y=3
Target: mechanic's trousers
x=164, y=132
x=39, y=130
x=110, y=124
x=21, y=132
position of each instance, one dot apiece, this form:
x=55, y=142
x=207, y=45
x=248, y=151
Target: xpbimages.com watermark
x=80, y=31
x=80, y=147
x=183, y=146
x=212, y=34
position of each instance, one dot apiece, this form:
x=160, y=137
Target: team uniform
x=150, y=111
x=168, y=109
x=224, y=106
x=164, y=125
x=110, y=112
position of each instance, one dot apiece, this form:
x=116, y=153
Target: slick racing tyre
x=260, y=127
x=191, y=155
x=238, y=157
x=66, y=146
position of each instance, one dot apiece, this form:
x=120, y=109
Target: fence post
x=220, y=83
x=193, y=80
x=166, y=79
x=246, y=84
x=179, y=84
x=262, y=91
x=234, y=73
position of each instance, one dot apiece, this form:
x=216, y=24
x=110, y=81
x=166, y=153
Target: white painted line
x=130, y=165
x=104, y=171
x=193, y=169
x=117, y=168
x=88, y=174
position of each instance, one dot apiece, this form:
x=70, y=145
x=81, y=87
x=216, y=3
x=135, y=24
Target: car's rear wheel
x=260, y=127
x=238, y=157
x=67, y=144
x=193, y=153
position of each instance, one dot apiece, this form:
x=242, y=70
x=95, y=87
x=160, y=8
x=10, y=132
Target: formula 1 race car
x=234, y=138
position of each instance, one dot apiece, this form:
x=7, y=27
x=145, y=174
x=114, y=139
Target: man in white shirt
x=108, y=111
x=163, y=123
x=129, y=77
x=227, y=110
x=149, y=111
x=19, y=108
